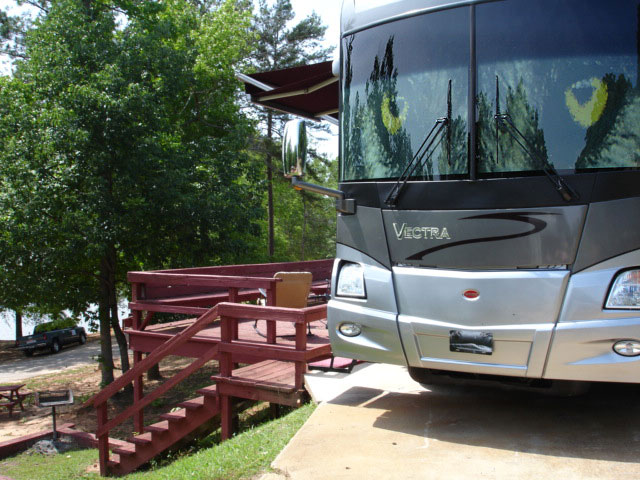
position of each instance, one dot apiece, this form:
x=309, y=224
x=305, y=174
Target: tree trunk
x=271, y=235
x=113, y=309
x=304, y=226
x=115, y=320
x=18, y=324
x=105, y=323
x=154, y=373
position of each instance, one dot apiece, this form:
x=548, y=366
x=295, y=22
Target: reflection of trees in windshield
x=500, y=152
x=374, y=128
x=386, y=143
x=376, y=138
x=454, y=162
x=614, y=139
x=352, y=156
x=610, y=110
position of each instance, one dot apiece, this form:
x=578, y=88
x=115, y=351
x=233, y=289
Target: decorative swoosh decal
x=524, y=217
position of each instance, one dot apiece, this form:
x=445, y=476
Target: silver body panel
x=379, y=341
x=519, y=308
x=546, y=323
x=582, y=343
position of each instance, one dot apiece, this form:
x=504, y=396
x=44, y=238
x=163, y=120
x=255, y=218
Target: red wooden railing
x=99, y=401
x=230, y=345
x=188, y=291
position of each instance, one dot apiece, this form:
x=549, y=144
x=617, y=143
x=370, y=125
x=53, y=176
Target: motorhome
x=489, y=193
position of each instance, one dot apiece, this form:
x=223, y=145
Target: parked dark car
x=52, y=336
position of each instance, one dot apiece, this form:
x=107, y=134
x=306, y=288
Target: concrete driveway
x=378, y=423
x=71, y=356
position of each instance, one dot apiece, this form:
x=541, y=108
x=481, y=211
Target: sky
x=329, y=12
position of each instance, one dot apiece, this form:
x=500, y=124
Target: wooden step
x=269, y=381
x=176, y=416
x=161, y=436
x=159, y=427
x=143, y=439
x=193, y=404
x=114, y=461
x=273, y=375
x=89, y=439
x=210, y=391
x=122, y=450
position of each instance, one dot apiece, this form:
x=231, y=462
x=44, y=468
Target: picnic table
x=10, y=396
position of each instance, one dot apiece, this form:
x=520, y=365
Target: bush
x=57, y=324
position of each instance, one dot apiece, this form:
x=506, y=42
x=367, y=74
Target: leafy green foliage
x=57, y=324
x=122, y=148
x=279, y=45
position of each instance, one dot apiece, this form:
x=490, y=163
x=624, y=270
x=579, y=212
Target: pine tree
x=278, y=46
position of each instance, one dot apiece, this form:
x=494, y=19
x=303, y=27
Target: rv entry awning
x=309, y=91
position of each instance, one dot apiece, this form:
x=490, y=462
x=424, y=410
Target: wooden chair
x=293, y=290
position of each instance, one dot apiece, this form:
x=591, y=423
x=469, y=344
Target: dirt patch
x=85, y=382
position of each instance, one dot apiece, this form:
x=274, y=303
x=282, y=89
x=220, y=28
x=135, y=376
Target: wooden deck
x=273, y=343
x=248, y=333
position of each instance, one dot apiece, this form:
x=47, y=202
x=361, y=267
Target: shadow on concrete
x=603, y=424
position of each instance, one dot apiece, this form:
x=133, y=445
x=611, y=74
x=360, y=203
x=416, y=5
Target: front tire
x=55, y=346
x=83, y=339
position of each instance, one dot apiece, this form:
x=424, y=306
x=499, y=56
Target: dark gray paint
x=612, y=228
x=364, y=231
x=525, y=238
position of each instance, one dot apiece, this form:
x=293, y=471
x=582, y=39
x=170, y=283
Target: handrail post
x=103, y=440
x=301, y=345
x=147, y=319
x=271, y=324
x=138, y=393
x=136, y=291
x=225, y=365
x=233, y=298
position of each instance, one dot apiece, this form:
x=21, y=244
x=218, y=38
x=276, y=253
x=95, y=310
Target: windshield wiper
x=423, y=155
x=504, y=119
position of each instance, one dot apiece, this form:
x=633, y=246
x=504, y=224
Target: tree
x=502, y=151
x=279, y=46
x=126, y=150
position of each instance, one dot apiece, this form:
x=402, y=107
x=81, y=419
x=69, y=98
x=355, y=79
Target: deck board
x=273, y=375
x=246, y=332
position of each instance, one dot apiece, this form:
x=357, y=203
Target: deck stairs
x=175, y=426
x=277, y=379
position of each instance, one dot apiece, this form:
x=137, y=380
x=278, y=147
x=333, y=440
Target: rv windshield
x=396, y=80
x=571, y=88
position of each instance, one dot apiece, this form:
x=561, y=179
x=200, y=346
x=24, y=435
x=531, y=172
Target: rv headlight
x=625, y=291
x=351, y=281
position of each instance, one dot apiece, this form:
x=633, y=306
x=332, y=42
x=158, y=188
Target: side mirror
x=294, y=148
x=294, y=159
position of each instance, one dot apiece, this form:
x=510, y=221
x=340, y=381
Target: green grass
x=242, y=457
